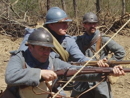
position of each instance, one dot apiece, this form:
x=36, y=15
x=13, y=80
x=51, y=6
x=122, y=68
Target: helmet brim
x=90, y=21
x=45, y=45
x=67, y=20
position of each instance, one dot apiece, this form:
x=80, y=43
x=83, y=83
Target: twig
x=15, y=22
x=3, y=31
x=11, y=7
x=15, y=2
x=25, y=15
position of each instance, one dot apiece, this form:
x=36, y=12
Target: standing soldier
x=89, y=43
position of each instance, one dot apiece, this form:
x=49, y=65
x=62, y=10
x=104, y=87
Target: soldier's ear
x=30, y=47
x=84, y=25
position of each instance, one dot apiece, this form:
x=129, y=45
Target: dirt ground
x=120, y=89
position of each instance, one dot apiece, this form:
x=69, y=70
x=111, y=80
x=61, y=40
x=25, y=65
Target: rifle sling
x=95, y=40
x=98, y=43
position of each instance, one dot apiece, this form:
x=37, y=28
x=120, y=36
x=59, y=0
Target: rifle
x=62, y=74
x=87, y=70
x=94, y=63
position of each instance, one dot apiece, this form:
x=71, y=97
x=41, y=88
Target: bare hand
x=101, y=63
x=118, y=71
x=48, y=75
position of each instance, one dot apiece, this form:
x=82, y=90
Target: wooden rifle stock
x=88, y=70
x=94, y=63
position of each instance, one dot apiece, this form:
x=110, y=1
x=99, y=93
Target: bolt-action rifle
x=41, y=90
x=94, y=63
x=88, y=70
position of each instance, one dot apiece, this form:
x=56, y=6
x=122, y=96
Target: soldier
x=57, y=23
x=89, y=43
x=36, y=60
x=30, y=67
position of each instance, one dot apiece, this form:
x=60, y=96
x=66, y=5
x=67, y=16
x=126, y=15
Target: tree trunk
x=63, y=5
x=48, y=5
x=98, y=7
x=123, y=7
x=75, y=8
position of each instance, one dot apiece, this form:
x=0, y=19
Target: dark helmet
x=41, y=37
x=90, y=17
x=55, y=14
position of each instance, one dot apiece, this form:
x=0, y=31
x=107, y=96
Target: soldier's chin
x=43, y=59
x=92, y=30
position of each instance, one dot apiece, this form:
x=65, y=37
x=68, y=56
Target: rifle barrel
x=87, y=70
x=94, y=63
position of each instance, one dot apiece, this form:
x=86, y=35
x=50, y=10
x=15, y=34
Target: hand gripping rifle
x=111, y=63
x=88, y=70
x=62, y=74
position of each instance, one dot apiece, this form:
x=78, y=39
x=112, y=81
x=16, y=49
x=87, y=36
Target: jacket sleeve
x=59, y=64
x=17, y=75
x=89, y=77
x=115, y=48
x=74, y=51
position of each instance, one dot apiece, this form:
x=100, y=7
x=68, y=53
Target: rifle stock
x=94, y=63
x=87, y=70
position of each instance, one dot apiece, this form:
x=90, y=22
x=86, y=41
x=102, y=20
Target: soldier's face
x=90, y=27
x=40, y=53
x=60, y=28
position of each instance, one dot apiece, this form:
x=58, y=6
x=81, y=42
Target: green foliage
x=22, y=6
x=128, y=6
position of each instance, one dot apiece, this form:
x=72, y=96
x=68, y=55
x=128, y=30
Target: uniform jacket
x=103, y=90
x=66, y=41
x=16, y=75
x=112, y=46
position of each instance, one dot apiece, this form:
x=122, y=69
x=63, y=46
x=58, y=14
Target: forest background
x=15, y=15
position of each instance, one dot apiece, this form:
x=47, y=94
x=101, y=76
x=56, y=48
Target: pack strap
x=98, y=43
x=97, y=40
x=64, y=55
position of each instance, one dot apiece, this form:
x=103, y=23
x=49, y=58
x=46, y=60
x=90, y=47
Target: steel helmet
x=41, y=37
x=90, y=17
x=55, y=14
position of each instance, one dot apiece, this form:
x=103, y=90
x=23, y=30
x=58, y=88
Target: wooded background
x=15, y=15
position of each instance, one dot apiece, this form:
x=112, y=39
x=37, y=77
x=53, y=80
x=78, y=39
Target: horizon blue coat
x=67, y=42
x=103, y=90
x=17, y=75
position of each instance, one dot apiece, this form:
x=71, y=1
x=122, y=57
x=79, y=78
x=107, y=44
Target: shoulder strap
x=97, y=40
x=58, y=48
x=98, y=43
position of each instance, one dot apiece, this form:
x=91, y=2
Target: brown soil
x=120, y=88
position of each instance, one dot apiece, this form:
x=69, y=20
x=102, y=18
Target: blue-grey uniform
x=103, y=90
x=66, y=41
x=17, y=75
